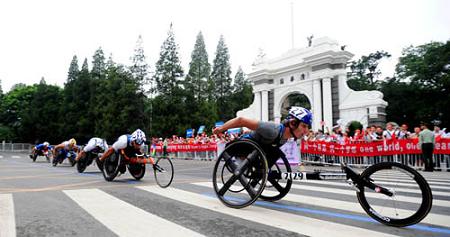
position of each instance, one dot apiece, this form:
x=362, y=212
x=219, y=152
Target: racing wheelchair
x=47, y=154
x=62, y=155
x=135, y=163
x=246, y=171
x=87, y=160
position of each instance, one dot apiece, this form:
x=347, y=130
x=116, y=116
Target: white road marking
x=123, y=218
x=7, y=217
x=295, y=223
x=435, y=219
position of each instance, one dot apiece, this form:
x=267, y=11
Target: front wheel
x=82, y=164
x=407, y=205
x=163, y=170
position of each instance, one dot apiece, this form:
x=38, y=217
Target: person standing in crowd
x=390, y=132
x=426, y=142
x=404, y=133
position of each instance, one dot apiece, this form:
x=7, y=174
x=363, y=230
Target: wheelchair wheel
x=111, y=166
x=401, y=209
x=240, y=173
x=136, y=170
x=277, y=188
x=82, y=164
x=163, y=170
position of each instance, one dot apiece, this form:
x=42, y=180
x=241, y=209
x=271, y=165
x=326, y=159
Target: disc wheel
x=406, y=206
x=163, y=170
x=111, y=166
x=136, y=170
x=240, y=174
x=277, y=188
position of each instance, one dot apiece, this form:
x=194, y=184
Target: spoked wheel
x=136, y=170
x=163, y=170
x=111, y=166
x=406, y=206
x=240, y=174
x=277, y=188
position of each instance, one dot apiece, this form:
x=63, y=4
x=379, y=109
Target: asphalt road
x=37, y=199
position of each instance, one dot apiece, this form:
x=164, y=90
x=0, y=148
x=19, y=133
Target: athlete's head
x=138, y=138
x=298, y=121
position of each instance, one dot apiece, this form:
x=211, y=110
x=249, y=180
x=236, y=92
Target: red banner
x=188, y=147
x=379, y=148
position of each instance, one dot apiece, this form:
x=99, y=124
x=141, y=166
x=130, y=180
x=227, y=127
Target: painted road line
x=15, y=157
x=436, y=202
x=123, y=218
x=291, y=222
x=434, y=219
x=7, y=217
x=397, y=188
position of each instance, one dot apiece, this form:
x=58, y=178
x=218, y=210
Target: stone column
x=258, y=104
x=265, y=105
x=327, y=104
x=317, y=105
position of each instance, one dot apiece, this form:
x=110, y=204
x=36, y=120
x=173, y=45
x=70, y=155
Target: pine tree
x=221, y=80
x=243, y=92
x=73, y=69
x=139, y=67
x=199, y=70
x=168, y=68
x=98, y=64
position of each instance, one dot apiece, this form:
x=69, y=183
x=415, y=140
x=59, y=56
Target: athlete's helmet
x=138, y=136
x=46, y=144
x=72, y=141
x=301, y=114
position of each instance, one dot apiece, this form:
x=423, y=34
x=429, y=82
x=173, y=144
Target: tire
x=111, y=166
x=136, y=170
x=388, y=210
x=163, y=171
x=99, y=163
x=280, y=189
x=34, y=157
x=248, y=159
x=82, y=164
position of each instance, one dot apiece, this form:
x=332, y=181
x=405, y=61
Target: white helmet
x=301, y=114
x=46, y=144
x=138, y=136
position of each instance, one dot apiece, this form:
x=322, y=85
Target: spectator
x=426, y=142
x=390, y=132
x=415, y=134
x=404, y=133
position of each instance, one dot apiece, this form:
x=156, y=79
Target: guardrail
x=15, y=147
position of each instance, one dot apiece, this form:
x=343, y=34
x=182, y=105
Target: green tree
x=243, y=92
x=423, y=71
x=139, y=67
x=168, y=71
x=98, y=64
x=73, y=69
x=221, y=80
x=199, y=70
x=364, y=72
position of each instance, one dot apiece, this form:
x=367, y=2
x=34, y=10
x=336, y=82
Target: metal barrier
x=187, y=155
x=441, y=161
x=15, y=147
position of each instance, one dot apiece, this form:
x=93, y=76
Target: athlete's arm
x=238, y=122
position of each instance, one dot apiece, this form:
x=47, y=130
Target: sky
x=39, y=38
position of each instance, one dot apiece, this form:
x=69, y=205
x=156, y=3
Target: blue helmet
x=301, y=114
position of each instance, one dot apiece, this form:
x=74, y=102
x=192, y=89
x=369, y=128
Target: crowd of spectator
x=337, y=134
x=372, y=133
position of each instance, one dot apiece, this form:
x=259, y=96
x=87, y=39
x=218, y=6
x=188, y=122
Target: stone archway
x=294, y=99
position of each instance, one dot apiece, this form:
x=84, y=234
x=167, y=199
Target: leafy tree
x=221, y=80
x=73, y=69
x=168, y=68
x=98, y=64
x=199, y=70
x=139, y=67
x=423, y=74
x=364, y=72
x=243, y=92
